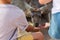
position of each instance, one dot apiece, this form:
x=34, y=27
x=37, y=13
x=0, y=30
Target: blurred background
x=36, y=14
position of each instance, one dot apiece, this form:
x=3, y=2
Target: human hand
x=46, y=25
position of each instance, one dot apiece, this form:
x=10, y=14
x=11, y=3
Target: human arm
x=44, y=1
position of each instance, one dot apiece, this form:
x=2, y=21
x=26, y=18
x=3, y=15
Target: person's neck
x=4, y=2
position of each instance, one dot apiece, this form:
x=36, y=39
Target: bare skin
x=5, y=1
x=44, y=1
x=37, y=35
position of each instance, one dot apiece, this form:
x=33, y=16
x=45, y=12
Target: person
x=12, y=18
x=54, y=30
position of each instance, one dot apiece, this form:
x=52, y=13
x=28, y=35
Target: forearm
x=29, y=28
x=44, y=1
x=32, y=29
